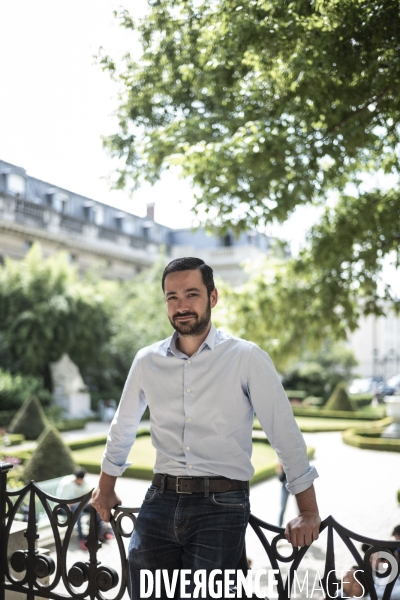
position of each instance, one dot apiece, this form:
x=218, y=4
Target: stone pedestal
x=69, y=388
x=392, y=410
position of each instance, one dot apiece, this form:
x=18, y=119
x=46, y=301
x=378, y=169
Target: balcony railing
x=71, y=223
x=24, y=208
x=41, y=575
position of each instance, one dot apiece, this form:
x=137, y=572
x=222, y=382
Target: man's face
x=188, y=304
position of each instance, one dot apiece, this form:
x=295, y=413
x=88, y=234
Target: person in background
x=284, y=492
x=354, y=585
x=396, y=535
x=73, y=486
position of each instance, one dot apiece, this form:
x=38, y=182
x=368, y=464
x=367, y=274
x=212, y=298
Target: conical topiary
x=339, y=399
x=30, y=420
x=52, y=458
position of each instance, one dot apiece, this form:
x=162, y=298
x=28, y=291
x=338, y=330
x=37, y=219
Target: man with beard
x=202, y=387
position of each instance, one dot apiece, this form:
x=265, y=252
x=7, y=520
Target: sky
x=56, y=104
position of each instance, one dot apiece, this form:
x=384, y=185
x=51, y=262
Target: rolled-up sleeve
x=125, y=424
x=275, y=414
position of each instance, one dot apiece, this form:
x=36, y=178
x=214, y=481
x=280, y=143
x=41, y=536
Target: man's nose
x=182, y=305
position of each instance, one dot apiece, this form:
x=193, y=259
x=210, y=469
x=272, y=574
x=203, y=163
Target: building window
x=58, y=200
x=27, y=245
x=16, y=184
x=98, y=215
x=227, y=240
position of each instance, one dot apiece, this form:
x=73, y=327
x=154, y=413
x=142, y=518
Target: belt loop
x=163, y=478
x=206, y=487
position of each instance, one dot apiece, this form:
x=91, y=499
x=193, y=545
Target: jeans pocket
x=236, y=499
x=151, y=494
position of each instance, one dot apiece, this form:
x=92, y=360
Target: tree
x=45, y=310
x=269, y=105
x=318, y=373
x=138, y=318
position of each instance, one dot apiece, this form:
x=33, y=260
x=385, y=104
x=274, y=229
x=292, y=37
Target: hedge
x=367, y=438
x=296, y=394
x=362, y=399
x=15, y=438
x=301, y=411
x=70, y=424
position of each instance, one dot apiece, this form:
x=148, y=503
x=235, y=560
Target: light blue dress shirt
x=202, y=409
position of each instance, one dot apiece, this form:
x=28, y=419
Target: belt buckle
x=178, y=491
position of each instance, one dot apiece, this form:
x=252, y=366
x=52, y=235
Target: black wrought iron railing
x=33, y=573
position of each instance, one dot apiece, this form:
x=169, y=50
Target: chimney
x=150, y=210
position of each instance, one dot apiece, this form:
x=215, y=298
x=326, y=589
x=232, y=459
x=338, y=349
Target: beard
x=196, y=326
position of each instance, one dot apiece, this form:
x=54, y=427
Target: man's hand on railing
x=104, y=497
x=303, y=530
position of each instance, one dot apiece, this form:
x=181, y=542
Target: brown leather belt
x=198, y=485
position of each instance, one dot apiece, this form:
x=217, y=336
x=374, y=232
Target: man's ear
x=214, y=297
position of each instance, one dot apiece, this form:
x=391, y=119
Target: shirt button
x=189, y=361
x=188, y=390
x=187, y=447
x=190, y=466
x=189, y=418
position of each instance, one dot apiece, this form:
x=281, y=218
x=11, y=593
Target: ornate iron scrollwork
x=94, y=579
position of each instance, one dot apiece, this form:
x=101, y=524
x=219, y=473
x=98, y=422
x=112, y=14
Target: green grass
x=143, y=456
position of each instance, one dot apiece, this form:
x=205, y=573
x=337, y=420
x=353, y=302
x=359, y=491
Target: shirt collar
x=209, y=341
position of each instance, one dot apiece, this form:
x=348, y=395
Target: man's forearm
x=104, y=497
x=307, y=502
x=304, y=529
x=107, y=482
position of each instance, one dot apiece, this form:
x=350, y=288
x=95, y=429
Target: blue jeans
x=187, y=531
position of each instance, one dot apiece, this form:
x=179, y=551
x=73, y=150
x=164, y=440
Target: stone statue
x=69, y=389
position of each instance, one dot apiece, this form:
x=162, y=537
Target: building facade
x=93, y=233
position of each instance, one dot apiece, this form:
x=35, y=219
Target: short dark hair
x=189, y=263
x=80, y=473
x=396, y=530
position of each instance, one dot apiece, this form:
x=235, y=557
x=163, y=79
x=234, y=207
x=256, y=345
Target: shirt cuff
x=111, y=468
x=303, y=482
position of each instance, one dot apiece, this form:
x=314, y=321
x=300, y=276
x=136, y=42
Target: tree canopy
x=45, y=310
x=267, y=105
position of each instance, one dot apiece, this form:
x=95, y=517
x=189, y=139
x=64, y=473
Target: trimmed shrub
x=30, y=420
x=362, y=400
x=340, y=400
x=52, y=458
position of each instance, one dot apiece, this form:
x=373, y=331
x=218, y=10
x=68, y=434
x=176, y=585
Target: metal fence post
x=4, y=468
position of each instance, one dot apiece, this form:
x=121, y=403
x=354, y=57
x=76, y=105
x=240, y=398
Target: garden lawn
x=143, y=456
